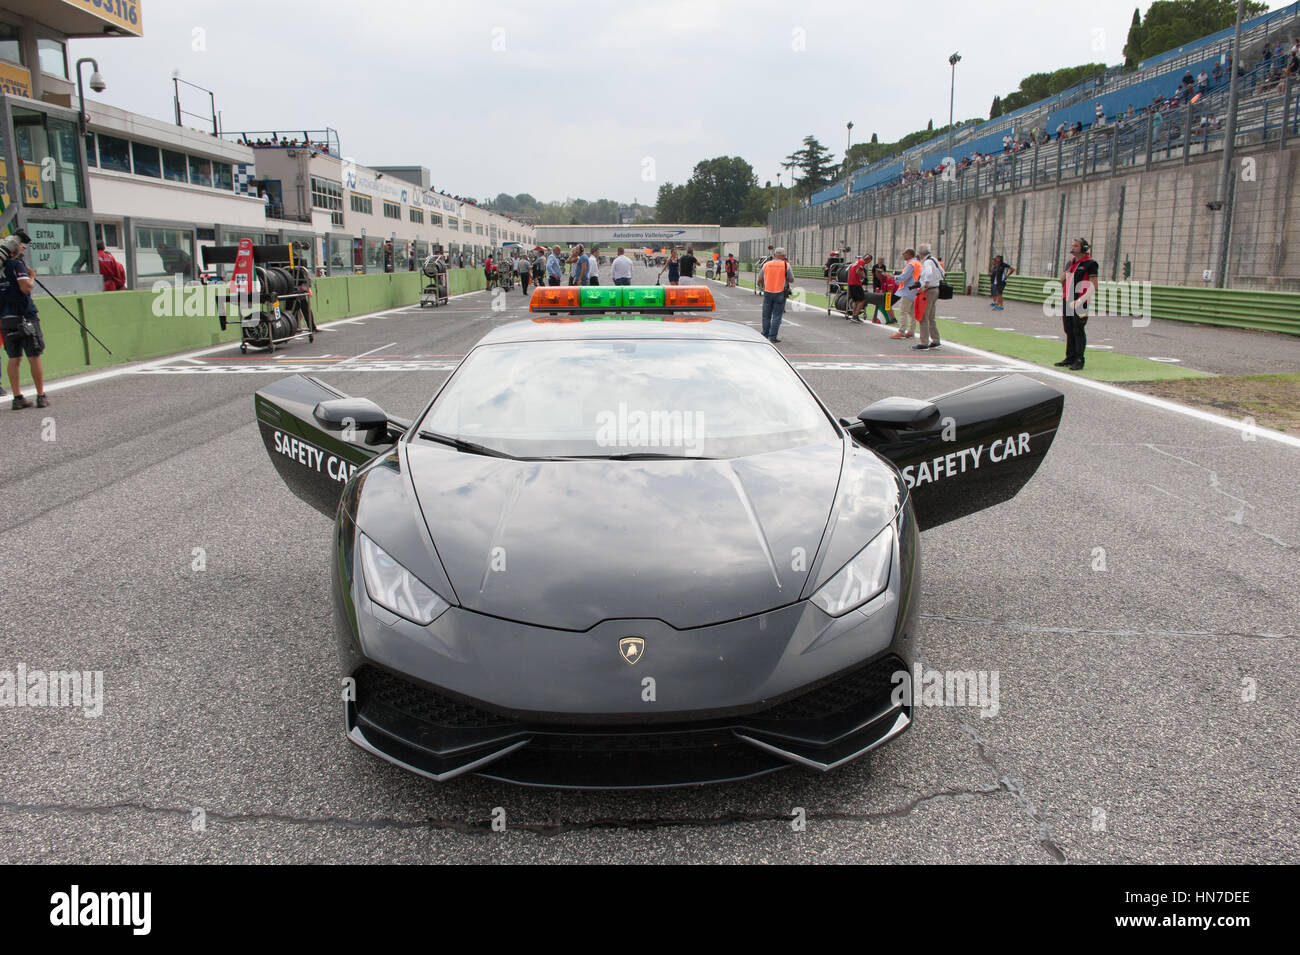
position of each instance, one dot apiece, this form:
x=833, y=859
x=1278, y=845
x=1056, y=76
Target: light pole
x=849, y=144
x=950, y=167
x=96, y=83
x=1222, y=205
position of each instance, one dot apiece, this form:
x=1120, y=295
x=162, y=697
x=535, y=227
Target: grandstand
x=1116, y=90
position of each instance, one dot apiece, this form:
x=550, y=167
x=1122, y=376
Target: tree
x=814, y=161
x=1172, y=23
x=996, y=109
x=875, y=140
x=719, y=191
x=929, y=127
x=1133, y=45
x=671, y=204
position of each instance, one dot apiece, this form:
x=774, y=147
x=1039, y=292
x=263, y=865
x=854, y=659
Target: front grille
x=865, y=683
x=380, y=686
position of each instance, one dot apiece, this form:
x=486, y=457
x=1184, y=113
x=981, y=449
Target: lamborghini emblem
x=631, y=649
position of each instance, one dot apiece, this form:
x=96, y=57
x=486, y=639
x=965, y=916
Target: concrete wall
x=1156, y=221
x=131, y=325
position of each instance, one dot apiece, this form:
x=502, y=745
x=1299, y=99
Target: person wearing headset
x=1077, y=287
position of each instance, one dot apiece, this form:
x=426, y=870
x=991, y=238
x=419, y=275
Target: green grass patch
x=1272, y=400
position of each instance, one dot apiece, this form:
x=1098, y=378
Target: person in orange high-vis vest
x=777, y=276
x=911, y=306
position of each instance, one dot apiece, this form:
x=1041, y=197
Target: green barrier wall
x=1236, y=308
x=144, y=324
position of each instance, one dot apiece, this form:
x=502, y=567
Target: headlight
x=862, y=578
x=394, y=588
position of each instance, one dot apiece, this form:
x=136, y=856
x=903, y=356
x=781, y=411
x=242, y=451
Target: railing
x=1266, y=113
x=325, y=140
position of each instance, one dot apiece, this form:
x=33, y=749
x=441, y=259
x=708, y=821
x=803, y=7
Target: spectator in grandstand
x=907, y=284
x=1100, y=113
x=999, y=272
x=1188, y=81
x=1202, y=81
x=620, y=271
x=110, y=268
x=1216, y=74
x=1078, y=285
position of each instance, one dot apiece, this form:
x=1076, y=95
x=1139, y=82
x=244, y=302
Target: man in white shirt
x=931, y=275
x=621, y=269
x=593, y=266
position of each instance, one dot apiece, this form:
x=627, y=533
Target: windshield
x=628, y=398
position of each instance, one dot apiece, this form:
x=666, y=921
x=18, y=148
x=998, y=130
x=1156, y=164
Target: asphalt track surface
x=1122, y=733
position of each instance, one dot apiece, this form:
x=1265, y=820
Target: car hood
x=568, y=544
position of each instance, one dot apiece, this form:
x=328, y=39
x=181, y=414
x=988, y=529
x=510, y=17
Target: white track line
x=133, y=367
x=1018, y=365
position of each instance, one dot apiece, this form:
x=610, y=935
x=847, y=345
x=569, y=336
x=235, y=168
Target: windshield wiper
x=460, y=444
x=638, y=456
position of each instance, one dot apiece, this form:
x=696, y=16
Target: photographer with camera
x=18, y=320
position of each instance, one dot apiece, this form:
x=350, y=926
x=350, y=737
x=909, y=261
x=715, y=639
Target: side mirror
x=359, y=413
x=911, y=414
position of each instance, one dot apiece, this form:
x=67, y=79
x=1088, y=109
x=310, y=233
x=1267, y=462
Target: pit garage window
x=107, y=233
x=61, y=248
x=91, y=159
x=49, y=149
x=10, y=48
x=435, y=220
x=363, y=204
x=53, y=56
x=374, y=254
x=200, y=171
x=223, y=176
x=392, y=210
x=162, y=252
x=175, y=167
x=144, y=160
x=340, y=254
x=114, y=153
x=453, y=223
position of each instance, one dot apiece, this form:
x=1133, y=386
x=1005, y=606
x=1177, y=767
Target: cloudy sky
x=596, y=100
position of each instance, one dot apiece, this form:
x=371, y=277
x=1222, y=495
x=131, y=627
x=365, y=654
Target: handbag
x=945, y=291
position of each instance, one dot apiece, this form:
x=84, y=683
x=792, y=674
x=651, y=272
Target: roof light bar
x=595, y=300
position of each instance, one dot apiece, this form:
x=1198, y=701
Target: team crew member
x=908, y=281
x=776, y=277
x=688, y=263
x=110, y=269
x=578, y=259
x=539, y=269
x=999, y=272
x=931, y=276
x=18, y=320
x=857, y=295
x=730, y=267
x=554, y=267
x=620, y=271
x=1077, y=286
x=884, y=285
x=489, y=271
x=593, y=266
x=524, y=271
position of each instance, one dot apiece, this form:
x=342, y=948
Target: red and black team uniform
x=1077, y=286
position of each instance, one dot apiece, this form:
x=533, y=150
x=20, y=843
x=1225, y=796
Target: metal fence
x=1267, y=114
